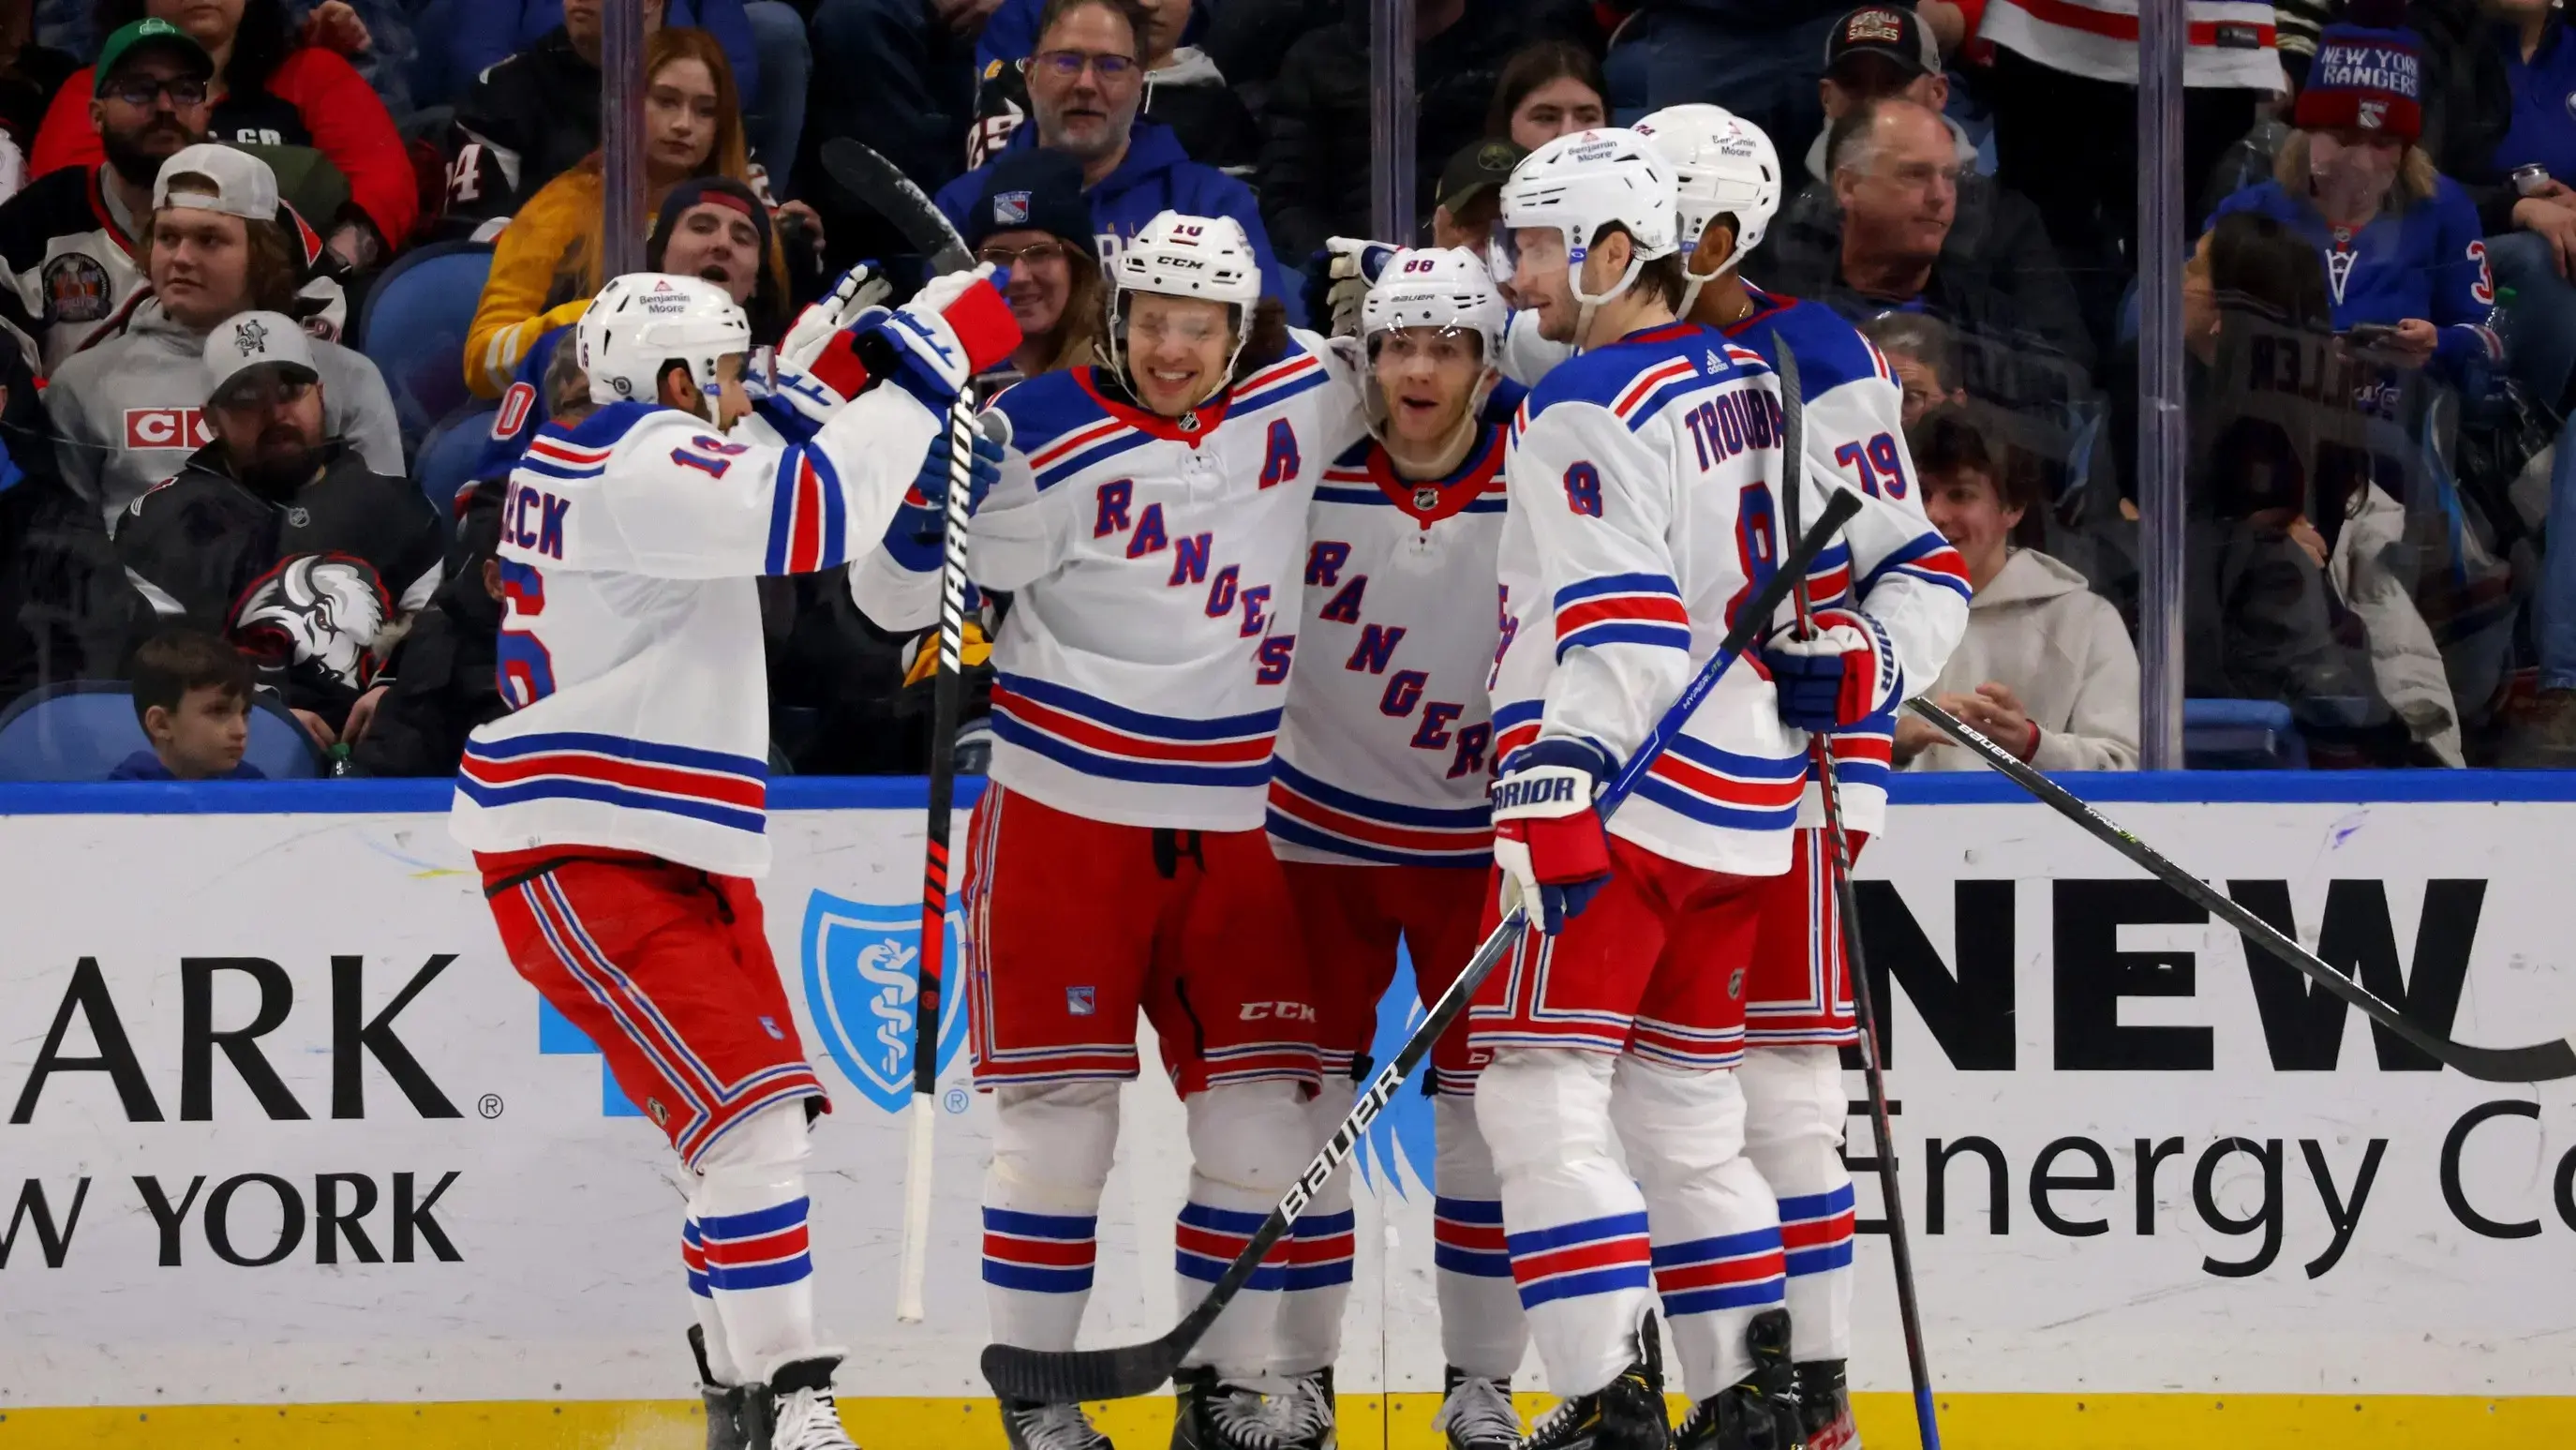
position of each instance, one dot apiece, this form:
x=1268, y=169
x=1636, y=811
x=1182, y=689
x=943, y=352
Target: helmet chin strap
x=1587, y=303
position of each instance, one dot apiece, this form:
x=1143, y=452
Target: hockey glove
x=1837, y=677
x=1548, y=840
x=856, y=300
x=921, y=521
x=1338, y=277
x=953, y=328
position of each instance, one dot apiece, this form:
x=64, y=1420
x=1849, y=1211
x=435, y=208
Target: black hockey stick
x=1909, y=1304
x=1066, y=1376
x=885, y=190
x=2539, y=1062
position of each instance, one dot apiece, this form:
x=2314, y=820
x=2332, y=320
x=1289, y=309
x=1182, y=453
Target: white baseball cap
x=243, y=186
x=248, y=340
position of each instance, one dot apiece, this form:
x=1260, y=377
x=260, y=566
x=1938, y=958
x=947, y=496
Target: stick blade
x=1072, y=1376
x=881, y=186
x=2538, y=1063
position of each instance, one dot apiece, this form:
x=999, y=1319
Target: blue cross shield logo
x=863, y=987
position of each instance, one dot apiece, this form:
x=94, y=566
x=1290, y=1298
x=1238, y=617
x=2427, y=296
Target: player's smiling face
x=1177, y=349
x=1540, y=282
x=1428, y=377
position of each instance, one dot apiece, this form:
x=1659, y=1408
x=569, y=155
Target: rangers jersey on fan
x=1143, y=664
x=1387, y=747
x=630, y=645
x=2226, y=42
x=1644, y=480
x=1854, y=430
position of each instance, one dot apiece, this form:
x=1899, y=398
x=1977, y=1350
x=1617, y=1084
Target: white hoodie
x=2038, y=630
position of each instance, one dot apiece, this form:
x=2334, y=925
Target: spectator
x=74, y=244
x=2400, y=242
x=269, y=92
x=546, y=268
x=1031, y=222
x=713, y=228
x=1546, y=90
x=1918, y=348
x=1754, y=57
x=127, y=412
x=444, y=678
x=2063, y=89
x=1878, y=52
x=30, y=74
x=67, y=611
x=1084, y=89
x=2531, y=240
x=919, y=96
x=530, y=116
x=192, y=696
x=1896, y=183
x=1183, y=89
x=282, y=536
x=2046, y=669
x=1470, y=195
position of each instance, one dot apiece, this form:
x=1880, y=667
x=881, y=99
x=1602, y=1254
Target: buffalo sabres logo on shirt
x=322, y=612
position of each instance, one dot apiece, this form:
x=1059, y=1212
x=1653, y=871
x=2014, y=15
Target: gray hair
x=1854, y=143
x=1917, y=335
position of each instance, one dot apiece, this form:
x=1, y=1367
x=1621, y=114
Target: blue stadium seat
x=81, y=729
x=413, y=325
x=2241, y=735
x=445, y=460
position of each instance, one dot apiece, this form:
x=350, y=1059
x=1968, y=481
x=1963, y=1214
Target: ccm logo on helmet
x=166, y=428
x=1277, y=1012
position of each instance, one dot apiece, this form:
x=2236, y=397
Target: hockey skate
x=1625, y=1414
x=797, y=1412
x=1220, y=1414
x=1476, y=1413
x=726, y=1404
x=1760, y=1412
x=1824, y=1406
x=1029, y=1425
x=1304, y=1411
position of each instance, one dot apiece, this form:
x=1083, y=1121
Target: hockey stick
x=2539, y=1062
x=1067, y=1376
x=1909, y=1305
x=885, y=190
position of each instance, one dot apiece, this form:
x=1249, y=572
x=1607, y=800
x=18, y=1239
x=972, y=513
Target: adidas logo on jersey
x=1714, y=366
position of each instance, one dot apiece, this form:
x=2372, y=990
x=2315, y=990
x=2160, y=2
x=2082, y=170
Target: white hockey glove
x=1548, y=840
x=1338, y=278
x=856, y=300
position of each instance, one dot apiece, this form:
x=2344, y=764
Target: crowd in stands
x=241, y=476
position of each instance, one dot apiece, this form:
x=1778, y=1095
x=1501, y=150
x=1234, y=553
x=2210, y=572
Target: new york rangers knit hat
x=2368, y=75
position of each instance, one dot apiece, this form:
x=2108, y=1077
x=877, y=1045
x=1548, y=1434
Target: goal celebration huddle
x=1563, y=598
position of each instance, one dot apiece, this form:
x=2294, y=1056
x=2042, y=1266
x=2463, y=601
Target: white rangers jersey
x=1142, y=667
x=1386, y=752
x=1854, y=421
x=1644, y=480
x=630, y=641
x=2227, y=43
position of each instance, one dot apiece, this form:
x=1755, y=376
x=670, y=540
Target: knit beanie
x=1033, y=190
x=2368, y=75
x=722, y=190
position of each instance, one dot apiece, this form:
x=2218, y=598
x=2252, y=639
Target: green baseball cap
x=128, y=38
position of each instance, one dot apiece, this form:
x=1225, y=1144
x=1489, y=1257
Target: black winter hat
x=1033, y=189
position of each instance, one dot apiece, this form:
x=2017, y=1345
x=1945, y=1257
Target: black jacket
x=66, y=610
x=445, y=677
x=1315, y=150
x=2468, y=102
x=526, y=122
x=206, y=548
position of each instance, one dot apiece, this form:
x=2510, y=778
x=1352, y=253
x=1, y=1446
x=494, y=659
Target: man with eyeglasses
x=74, y=243
x=1086, y=84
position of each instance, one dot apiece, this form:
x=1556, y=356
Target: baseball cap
x=1883, y=30
x=1476, y=166
x=249, y=340
x=148, y=32
x=243, y=184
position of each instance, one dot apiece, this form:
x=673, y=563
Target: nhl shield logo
x=862, y=965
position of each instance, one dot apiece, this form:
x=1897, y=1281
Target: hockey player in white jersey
x=1644, y=480
x=1798, y=1009
x=618, y=813
x=1378, y=804
x=1147, y=528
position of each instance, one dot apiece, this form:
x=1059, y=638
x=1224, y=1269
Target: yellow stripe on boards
x=1402, y=1422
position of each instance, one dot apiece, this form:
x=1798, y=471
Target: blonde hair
x=2415, y=174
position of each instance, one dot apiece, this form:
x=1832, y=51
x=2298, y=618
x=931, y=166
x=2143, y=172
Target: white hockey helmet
x=641, y=323
x=1442, y=287
x=1580, y=183
x=1177, y=255
x=1726, y=167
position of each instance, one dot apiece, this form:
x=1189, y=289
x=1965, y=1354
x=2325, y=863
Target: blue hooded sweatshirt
x=1155, y=176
